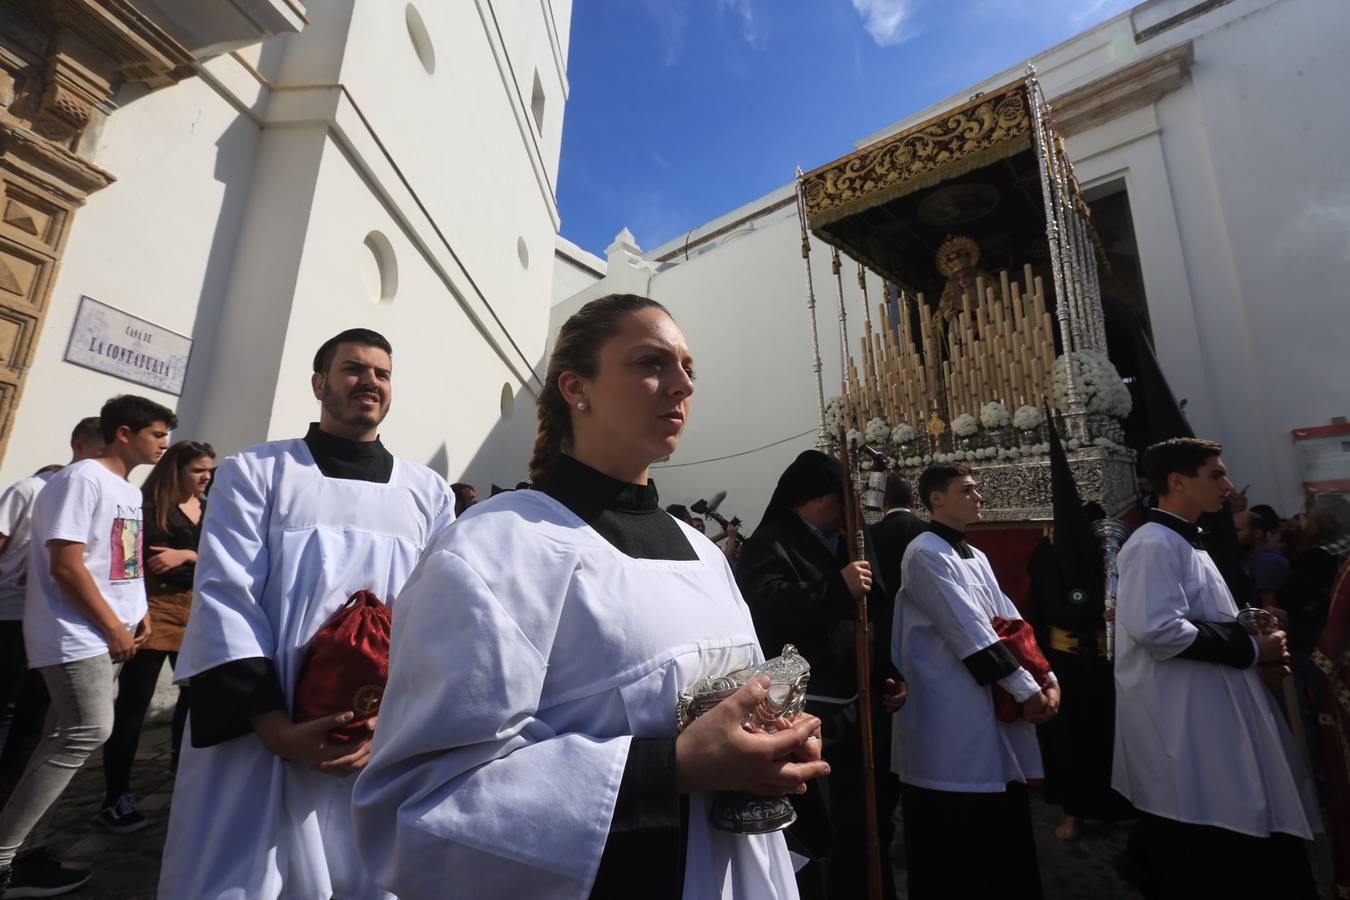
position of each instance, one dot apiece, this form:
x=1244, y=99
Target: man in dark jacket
x=890, y=536
x=795, y=575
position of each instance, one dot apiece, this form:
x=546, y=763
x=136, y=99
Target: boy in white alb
x=85, y=608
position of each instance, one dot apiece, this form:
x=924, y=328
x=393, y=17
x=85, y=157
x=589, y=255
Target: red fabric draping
x=1017, y=636
x=1009, y=551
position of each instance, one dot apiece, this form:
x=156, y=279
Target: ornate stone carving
x=1020, y=491
x=64, y=110
x=61, y=61
x=985, y=129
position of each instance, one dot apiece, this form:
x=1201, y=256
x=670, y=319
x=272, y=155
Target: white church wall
x=157, y=243
x=1271, y=243
x=463, y=137
x=574, y=270
x=245, y=348
x=447, y=381
x=244, y=199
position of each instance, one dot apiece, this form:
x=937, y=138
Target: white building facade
x=273, y=174
x=1219, y=124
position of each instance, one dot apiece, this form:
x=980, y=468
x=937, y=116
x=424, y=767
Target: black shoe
x=122, y=817
x=40, y=874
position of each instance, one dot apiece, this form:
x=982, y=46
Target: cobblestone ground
x=126, y=867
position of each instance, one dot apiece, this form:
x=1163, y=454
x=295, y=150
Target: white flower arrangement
x=834, y=415
x=1107, y=444
x=902, y=434
x=965, y=425
x=854, y=438
x=866, y=464
x=1027, y=418
x=994, y=415
x=877, y=431
x=1096, y=380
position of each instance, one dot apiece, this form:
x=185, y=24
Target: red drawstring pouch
x=346, y=666
x=1017, y=636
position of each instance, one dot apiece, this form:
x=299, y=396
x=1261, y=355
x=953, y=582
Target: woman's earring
x=581, y=405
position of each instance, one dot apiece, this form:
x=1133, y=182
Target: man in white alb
x=962, y=769
x=262, y=804
x=1200, y=748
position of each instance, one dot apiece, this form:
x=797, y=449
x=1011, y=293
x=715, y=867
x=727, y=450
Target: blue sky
x=682, y=110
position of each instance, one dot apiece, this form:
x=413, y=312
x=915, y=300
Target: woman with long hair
x=174, y=502
x=527, y=742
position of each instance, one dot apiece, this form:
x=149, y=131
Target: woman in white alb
x=527, y=744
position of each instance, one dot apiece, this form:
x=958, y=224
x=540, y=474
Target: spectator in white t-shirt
x=36, y=869
x=16, y=511
x=85, y=608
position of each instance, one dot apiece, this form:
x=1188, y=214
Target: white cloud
x=887, y=21
x=670, y=21
x=742, y=9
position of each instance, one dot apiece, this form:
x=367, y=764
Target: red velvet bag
x=346, y=666
x=1017, y=636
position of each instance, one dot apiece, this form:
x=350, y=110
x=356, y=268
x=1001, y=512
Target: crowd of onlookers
x=157, y=529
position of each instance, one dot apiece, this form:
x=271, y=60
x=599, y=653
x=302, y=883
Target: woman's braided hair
x=577, y=350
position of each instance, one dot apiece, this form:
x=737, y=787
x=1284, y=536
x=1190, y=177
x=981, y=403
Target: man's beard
x=338, y=411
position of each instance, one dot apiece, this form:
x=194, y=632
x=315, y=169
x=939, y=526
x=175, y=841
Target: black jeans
x=29, y=693
x=135, y=690
x=13, y=661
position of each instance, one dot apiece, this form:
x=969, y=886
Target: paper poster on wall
x=1324, y=457
x=116, y=343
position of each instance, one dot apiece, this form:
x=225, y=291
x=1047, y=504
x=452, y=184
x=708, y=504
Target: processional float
x=992, y=317
x=991, y=330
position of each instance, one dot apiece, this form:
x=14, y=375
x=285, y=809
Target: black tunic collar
x=627, y=515
x=1188, y=530
x=956, y=538
x=339, y=457
x=587, y=491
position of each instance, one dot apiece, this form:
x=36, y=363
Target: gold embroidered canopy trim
x=984, y=130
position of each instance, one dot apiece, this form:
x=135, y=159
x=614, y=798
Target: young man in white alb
x=85, y=609
x=963, y=770
x=262, y=802
x=1201, y=749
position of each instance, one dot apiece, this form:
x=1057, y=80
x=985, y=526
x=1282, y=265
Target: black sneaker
x=39, y=874
x=122, y=817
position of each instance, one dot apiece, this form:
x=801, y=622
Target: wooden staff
x=857, y=552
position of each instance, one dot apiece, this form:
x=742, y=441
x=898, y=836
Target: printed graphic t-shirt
x=87, y=504
x=16, y=514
